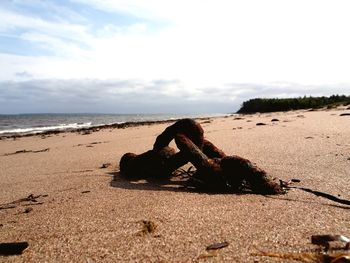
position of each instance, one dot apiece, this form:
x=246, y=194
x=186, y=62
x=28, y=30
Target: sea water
x=37, y=123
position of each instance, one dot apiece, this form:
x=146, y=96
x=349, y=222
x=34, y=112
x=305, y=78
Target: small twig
x=30, y=198
x=217, y=246
x=324, y=195
x=287, y=186
x=27, y=151
x=7, y=206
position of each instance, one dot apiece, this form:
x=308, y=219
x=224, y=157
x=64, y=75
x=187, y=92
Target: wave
x=47, y=128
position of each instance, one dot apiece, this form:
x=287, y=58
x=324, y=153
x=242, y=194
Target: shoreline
x=96, y=128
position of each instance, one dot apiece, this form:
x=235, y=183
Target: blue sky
x=160, y=56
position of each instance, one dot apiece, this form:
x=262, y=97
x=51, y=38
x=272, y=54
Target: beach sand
x=82, y=214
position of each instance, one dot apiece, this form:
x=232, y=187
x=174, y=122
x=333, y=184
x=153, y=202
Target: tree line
x=286, y=104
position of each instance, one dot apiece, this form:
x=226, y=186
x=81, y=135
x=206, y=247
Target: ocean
x=38, y=123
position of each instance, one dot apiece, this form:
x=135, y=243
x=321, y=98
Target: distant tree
x=286, y=104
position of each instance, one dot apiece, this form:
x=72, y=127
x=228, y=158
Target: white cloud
x=138, y=96
x=259, y=46
x=13, y=20
x=244, y=41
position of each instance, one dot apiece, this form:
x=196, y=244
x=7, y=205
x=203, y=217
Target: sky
x=162, y=56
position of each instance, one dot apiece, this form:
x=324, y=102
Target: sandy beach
x=80, y=210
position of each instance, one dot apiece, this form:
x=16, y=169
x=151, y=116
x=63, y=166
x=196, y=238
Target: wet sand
x=81, y=212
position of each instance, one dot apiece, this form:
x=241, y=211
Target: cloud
x=90, y=95
x=202, y=43
x=24, y=74
x=138, y=96
x=168, y=56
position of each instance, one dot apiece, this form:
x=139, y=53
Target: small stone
x=148, y=226
x=27, y=210
x=217, y=246
x=105, y=165
x=87, y=132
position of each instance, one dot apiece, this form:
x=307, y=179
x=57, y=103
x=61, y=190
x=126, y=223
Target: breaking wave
x=47, y=128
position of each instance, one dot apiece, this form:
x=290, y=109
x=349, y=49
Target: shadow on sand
x=180, y=183
x=177, y=183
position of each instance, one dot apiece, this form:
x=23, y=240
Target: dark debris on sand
x=12, y=248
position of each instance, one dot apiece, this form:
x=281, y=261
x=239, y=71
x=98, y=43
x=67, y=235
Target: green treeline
x=270, y=105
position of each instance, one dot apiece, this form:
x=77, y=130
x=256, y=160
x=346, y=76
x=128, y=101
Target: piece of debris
x=260, y=124
x=308, y=257
x=287, y=184
x=345, y=114
x=275, y=120
x=294, y=180
x=217, y=246
x=27, y=210
x=325, y=195
x=324, y=240
x=7, y=206
x=40, y=151
x=27, y=151
x=85, y=192
x=309, y=137
x=105, y=165
x=319, y=257
x=86, y=132
x=83, y=171
x=148, y=227
x=212, y=250
x=238, y=118
x=207, y=121
x=16, y=248
x=89, y=144
x=32, y=199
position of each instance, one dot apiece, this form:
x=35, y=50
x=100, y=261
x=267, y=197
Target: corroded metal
x=228, y=172
x=149, y=164
x=192, y=129
x=215, y=170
